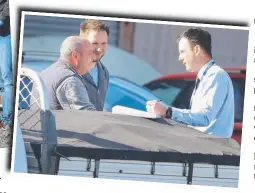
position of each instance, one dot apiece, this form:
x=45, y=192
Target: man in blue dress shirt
x=212, y=102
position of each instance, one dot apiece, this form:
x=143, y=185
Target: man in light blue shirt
x=212, y=102
x=94, y=74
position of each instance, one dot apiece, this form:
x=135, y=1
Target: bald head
x=77, y=51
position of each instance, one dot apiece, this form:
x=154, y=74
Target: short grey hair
x=71, y=44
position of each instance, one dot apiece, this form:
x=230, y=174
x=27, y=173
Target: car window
x=117, y=95
x=173, y=92
x=182, y=100
x=126, y=93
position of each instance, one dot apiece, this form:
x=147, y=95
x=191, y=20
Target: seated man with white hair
x=63, y=80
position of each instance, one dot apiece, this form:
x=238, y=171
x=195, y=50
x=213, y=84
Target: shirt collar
x=202, y=70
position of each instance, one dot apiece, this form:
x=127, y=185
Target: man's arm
x=214, y=92
x=73, y=95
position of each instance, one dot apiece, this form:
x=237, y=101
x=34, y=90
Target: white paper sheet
x=133, y=112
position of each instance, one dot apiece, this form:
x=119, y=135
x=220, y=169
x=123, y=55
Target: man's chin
x=188, y=69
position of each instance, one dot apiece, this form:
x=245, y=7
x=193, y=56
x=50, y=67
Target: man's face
x=187, y=54
x=99, y=41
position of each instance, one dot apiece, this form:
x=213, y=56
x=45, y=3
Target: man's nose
x=98, y=49
x=180, y=58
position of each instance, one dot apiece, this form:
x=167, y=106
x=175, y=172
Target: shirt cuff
x=177, y=114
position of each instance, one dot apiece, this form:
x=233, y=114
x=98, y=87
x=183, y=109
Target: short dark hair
x=200, y=37
x=91, y=24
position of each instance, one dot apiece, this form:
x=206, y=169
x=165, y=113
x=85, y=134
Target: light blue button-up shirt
x=212, y=107
x=94, y=74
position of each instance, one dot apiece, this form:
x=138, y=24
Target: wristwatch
x=169, y=113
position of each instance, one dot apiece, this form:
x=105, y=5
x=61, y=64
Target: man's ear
x=197, y=49
x=75, y=55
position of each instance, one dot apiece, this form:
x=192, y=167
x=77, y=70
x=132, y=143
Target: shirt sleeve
x=73, y=95
x=214, y=91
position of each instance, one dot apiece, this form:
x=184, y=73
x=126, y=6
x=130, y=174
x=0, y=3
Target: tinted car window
x=182, y=100
x=239, y=87
x=173, y=92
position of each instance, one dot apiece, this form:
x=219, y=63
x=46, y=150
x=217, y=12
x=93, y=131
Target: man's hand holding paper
x=156, y=107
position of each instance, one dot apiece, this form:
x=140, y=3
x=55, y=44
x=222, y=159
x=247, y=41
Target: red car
x=176, y=90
